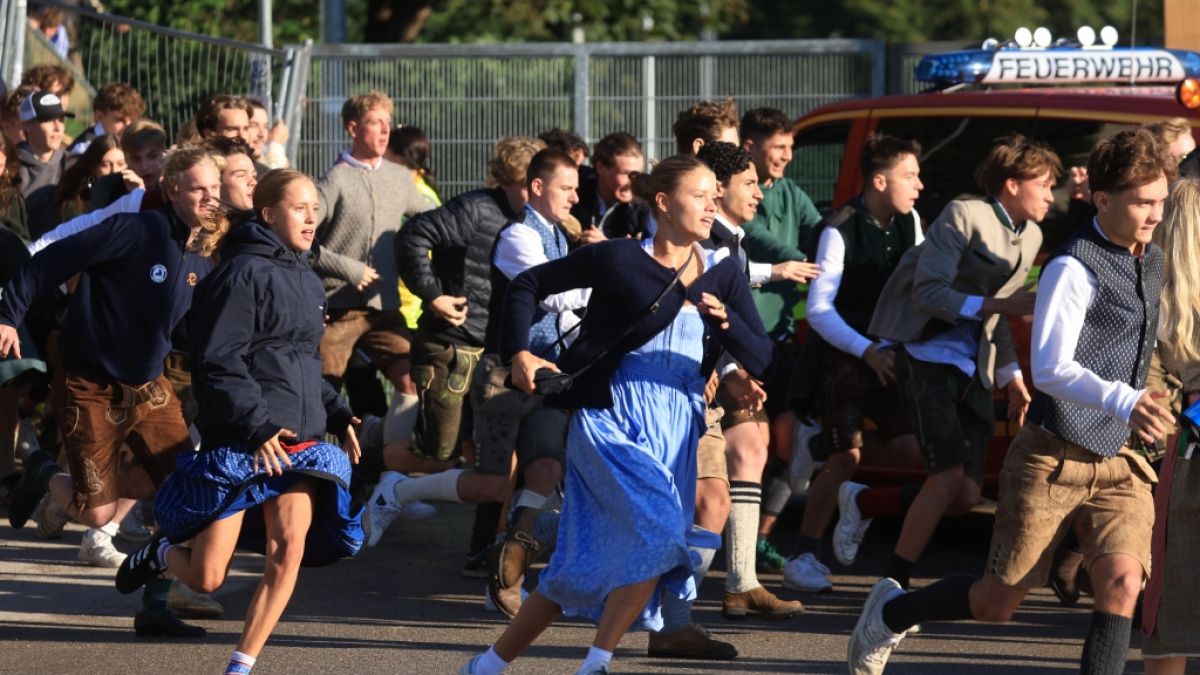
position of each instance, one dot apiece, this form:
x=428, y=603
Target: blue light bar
x=1059, y=66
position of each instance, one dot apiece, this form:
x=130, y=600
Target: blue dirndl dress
x=209, y=485
x=630, y=486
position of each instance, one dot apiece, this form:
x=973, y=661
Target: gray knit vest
x=1116, y=341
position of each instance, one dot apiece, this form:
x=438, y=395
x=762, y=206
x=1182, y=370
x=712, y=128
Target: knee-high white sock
x=442, y=487
x=741, y=537
x=400, y=419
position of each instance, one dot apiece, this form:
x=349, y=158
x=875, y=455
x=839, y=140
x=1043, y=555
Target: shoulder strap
x=633, y=325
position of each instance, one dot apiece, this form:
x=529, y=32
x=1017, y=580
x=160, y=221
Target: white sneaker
x=872, y=641
x=96, y=549
x=800, y=468
x=805, y=573
x=851, y=526
x=132, y=528
x=382, y=508
x=418, y=511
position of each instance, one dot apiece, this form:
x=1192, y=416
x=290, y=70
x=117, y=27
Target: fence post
x=293, y=96
x=648, y=93
x=13, y=61
x=583, y=76
x=878, y=52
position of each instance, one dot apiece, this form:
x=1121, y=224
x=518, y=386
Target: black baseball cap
x=42, y=106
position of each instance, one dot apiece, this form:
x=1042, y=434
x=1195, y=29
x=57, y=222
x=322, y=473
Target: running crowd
x=207, y=350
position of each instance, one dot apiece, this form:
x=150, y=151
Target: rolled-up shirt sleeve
x=518, y=248
x=1065, y=291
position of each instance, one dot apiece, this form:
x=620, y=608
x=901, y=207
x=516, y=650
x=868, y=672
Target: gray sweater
x=38, y=181
x=361, y=213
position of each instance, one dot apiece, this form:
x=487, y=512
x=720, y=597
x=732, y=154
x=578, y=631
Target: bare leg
x=823, y=492
x=288, y=517
x=399, y=457
x=203, y=566
x=937, y=494
x=400, y=375
x=620, y=609
x=1168, y=665
x=536, y=615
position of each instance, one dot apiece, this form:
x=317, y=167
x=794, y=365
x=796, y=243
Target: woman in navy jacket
x=629, y=494
x=262, y=472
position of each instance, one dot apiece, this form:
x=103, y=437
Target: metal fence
x=465, y=97
x=174, y=70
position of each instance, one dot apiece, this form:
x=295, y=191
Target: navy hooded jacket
x=135, y=287
x=257, y=322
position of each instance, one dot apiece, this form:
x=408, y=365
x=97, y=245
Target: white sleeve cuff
x=1120, y=401
x=1007, y=373
x=971, y=307
x=760, y=273
x=728, y=369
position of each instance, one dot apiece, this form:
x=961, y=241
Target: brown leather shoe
x=507, y=600
x=690, y=642
x=759, y=603
x=518, y=551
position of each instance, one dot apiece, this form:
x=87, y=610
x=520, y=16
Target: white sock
x=442, y=487
x=400, y=419
x=490, y=663
x=595, y=657
x=161, y=553
x=110, y=529
x=741, y=540
x=530, y=499
x=240, y=663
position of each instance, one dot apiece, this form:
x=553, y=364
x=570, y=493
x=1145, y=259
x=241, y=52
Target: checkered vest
x=1116, y=342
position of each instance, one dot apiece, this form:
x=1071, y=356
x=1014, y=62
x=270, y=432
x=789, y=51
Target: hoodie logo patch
x=158, y=274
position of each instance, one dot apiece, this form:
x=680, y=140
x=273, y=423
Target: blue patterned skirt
x=629, y=495
x=214, y=484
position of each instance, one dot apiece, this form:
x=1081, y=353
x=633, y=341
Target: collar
x=99, y=129
x=1106, y=243
x=736, y=230
x=532, y=214
x=1002, y=215
x=359, y=164
x=860, y=202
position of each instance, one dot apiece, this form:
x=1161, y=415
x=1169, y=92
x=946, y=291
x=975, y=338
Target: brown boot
x=690, y=642
x=518, y=551
x=760, y=603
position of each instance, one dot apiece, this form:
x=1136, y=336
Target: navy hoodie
x=135, y=285
x=256, y=327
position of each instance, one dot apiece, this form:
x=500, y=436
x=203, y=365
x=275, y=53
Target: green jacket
x=780, y=232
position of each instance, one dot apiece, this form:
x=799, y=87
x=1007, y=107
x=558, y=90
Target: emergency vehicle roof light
x=1023, y=37
x=1108, y=36
x=1042, y=37
x=1059, y=64
x=1087, y=36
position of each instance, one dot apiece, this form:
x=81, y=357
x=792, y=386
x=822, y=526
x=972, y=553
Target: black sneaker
x=164, y=623
x=140, y=567
x=27, y=494
x=475, y=566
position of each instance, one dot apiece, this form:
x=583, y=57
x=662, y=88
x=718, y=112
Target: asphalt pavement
x=402, y=607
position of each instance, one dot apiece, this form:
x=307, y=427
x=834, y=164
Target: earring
x=668, y=215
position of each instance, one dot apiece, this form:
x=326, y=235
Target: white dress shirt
x=822, y=315
x=518, y=248
x=1065, y=292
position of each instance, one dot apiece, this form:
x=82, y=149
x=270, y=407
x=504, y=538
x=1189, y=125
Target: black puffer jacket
x=257, y=322
x=460, y=235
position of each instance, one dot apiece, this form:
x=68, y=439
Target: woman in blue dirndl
x=629, y=494
x=263, y=479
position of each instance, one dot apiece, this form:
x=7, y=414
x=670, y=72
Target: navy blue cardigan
x=624, y=282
